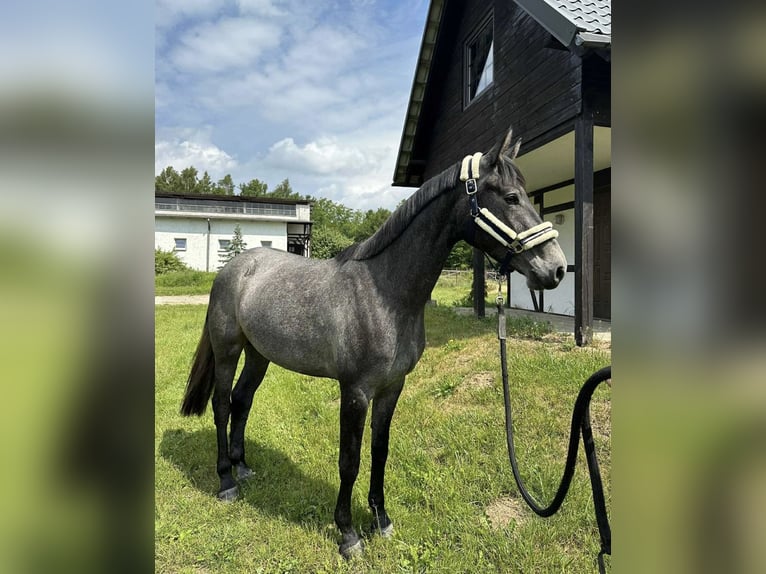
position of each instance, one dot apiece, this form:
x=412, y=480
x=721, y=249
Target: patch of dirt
x=481, y=380
x=504, y=510
x=601, y=418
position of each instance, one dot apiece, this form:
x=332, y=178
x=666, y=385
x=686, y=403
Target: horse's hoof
x=229, y=495
x=349, y=550
x=244, y=472
x=386, y=532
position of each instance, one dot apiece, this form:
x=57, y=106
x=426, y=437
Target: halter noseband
x=514, y=242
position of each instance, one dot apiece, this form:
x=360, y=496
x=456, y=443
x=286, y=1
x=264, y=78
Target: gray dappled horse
x=359, y=318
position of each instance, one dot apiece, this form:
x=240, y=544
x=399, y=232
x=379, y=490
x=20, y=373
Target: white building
x=199, y=227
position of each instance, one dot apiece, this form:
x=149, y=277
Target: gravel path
x=182, y=300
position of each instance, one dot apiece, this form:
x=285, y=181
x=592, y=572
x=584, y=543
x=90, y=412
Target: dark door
x=602, y=254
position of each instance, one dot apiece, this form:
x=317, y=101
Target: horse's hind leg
x=241, y=401
x=225, y=368
x=383, y=405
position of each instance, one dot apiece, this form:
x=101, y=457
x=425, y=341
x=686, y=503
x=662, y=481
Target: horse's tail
x=201, y=381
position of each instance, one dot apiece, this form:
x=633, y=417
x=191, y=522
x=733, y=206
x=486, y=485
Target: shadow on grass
x=278, y=486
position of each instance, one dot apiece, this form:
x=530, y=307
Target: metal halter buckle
x=470, y=186
x=516, y=246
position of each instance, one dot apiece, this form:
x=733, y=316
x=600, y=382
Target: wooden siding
x=536, y=87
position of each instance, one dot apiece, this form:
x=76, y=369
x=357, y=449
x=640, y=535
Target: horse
x=360, y=316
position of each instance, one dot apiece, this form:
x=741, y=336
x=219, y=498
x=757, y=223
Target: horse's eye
x=512, y=199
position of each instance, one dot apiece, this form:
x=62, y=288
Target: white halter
x=514, y=242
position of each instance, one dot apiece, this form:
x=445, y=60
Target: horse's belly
x=291, y=345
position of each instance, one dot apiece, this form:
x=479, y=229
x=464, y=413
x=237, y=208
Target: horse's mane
x=402, y=217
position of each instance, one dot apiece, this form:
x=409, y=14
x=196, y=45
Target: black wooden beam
x=559, y=207
x=584, y=227
x=548, y=188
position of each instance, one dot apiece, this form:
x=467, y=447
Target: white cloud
x=168, y=12
x=323, y=156
x=262, y=7
x=225, y=44
x=202, y=154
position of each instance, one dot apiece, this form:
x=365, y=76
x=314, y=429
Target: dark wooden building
x=542, y=67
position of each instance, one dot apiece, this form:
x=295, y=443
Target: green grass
x=447, y=464
x=184, y=283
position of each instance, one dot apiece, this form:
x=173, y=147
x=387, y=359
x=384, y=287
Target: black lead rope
x=580, y=423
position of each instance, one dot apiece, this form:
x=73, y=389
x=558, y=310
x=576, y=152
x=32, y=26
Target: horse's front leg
x=383, y=406
x=353, y=411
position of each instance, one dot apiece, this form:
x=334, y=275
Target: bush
x=167, y=262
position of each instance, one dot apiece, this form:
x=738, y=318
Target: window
x=180, y=244
x=265, y=243
x=479, y=59
x=223, y=244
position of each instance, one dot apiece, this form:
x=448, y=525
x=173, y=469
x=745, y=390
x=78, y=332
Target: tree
x=285, y=191
x=327, y=213
x=225, y=186
x=370, y=222
x=205, y=185
x=168, y=181
x=235, y=247
x=188, y=180
x=327, y=242
x=253, y=188
x=461, y=256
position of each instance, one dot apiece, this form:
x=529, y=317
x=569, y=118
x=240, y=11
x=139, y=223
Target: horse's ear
x=506, y=143
x=515, y=150
x=504, y=148
x=499, y=149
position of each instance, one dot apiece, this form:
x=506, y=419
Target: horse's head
x=505, y=224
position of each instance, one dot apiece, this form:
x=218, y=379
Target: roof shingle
x=593, y=16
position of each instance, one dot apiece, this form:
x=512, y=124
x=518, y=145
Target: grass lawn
x=449, y=487
x=184, y=283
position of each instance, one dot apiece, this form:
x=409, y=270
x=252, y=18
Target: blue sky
x=272, y=89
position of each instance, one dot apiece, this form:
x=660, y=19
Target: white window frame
x=179, y=241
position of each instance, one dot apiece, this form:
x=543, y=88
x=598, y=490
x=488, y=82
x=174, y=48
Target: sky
x=315, y=92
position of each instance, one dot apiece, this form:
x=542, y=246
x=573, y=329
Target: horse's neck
x=412, y=263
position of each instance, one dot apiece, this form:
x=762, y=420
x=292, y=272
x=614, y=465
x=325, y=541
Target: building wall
x=561, y=299
x=195, y=231
x=536, y=87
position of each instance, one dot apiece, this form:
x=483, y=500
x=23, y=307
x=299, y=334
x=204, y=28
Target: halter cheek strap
x=486, y=220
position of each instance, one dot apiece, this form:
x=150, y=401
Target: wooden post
x=584, y=226
x=478, y=283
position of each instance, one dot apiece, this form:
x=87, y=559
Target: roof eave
x=417, y=94
x=591, y=40
x=551, y=19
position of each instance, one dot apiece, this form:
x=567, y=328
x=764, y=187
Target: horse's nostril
x=561, y=272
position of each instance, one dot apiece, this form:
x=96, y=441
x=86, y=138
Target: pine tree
x=235, y=247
